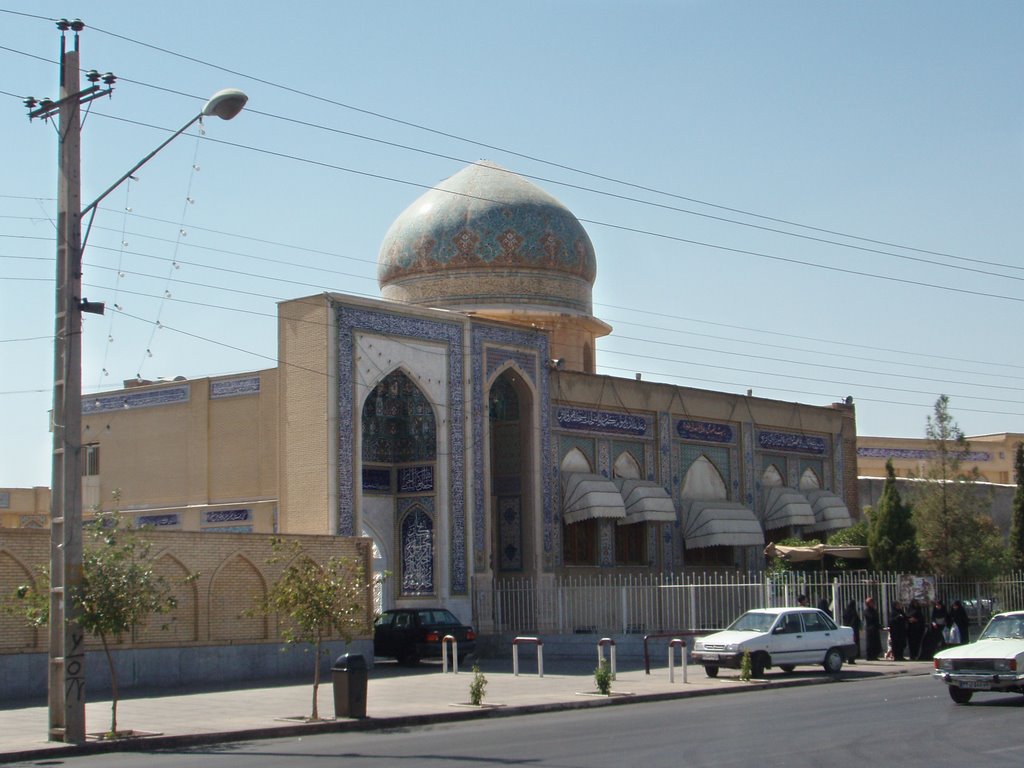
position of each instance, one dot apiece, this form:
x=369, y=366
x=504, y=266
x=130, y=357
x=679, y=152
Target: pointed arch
x=809, y=480
x=15, y=634
x=380, y=556
x=236, y=586
x=399, y=421
x=575, y=461
x=182, y=623
x=772, y=477
x=416, y=543
x=626, y=466
x=703, y=481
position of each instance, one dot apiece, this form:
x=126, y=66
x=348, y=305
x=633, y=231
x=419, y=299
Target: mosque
x=460, y=423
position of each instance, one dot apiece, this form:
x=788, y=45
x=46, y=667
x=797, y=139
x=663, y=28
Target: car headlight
x=698, y=645
x=732, y=647
x=944, y=664
x=1006, y=665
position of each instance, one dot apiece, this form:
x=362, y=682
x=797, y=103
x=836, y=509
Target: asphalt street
x=905, y=721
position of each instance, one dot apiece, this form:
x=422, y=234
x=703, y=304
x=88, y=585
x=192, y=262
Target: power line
x=533, y=158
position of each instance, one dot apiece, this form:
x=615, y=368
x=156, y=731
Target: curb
x=183, y=741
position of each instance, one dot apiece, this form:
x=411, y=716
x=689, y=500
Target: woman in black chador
x=958, y=616
x=852, y=619
x=915, y=628
x=898, y=630
x=872, y=631
x=933, y=640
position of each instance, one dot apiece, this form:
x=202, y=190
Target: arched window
x=809, y=480
x=772, y=478
x=627, y=466
x=398, y=423
x=703, y=481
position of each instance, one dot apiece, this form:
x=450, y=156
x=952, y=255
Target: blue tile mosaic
x=708, y=431
x=130, y=400
x=249, y=385
x=791, y=441
x=492, y=348
x=608, y=422
x=350, y=319
x=227, y=516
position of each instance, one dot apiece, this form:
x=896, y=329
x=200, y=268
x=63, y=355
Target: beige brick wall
x=232, y=575
x=305, y=386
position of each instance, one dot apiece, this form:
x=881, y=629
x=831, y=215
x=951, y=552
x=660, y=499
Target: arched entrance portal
x=511, y=454
x=399, y=453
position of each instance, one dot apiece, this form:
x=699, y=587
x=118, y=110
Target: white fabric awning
x=591, y=496
x=720, y=523
x=645, y=502
x=786, y=506
x=830, y=512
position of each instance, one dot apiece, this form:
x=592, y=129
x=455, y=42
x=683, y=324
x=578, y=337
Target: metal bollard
x=673, y=644
x=444, y=654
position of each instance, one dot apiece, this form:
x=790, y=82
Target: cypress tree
x=1017, y=525
x=892, y=540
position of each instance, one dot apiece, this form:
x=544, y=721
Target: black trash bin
x=348, y=675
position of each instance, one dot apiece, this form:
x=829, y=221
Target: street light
x=67, y=651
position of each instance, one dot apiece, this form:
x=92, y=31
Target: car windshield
x=1002, y=627
x=753, y=622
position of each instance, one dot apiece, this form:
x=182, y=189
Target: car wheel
x=758, y=662
x=787, y=667
x=959, y=695
x=833, y=661
x=710, y=670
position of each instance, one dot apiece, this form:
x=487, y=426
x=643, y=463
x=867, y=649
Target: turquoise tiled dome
x=488, y=237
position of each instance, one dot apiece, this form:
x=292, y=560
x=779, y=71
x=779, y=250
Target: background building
x=460, y=424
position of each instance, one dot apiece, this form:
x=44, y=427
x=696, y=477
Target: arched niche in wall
x=704, y=481
x=809, y=480
x=772, y=478
x=626, y=466
x=416, y=541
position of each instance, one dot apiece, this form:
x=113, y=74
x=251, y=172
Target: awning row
x=705, y=523
x=626, y=499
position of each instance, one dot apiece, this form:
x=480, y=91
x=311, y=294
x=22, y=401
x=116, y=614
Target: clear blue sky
x=899, y=123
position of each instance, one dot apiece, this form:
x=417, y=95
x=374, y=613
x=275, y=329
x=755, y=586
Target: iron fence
x=699, y=602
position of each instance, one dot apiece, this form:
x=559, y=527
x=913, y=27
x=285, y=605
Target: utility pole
x=66, y=673
x=67, y=639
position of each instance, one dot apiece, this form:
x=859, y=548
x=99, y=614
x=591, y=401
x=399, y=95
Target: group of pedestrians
x=912, y=635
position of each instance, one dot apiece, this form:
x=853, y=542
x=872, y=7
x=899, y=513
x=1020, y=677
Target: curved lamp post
x=66, y=648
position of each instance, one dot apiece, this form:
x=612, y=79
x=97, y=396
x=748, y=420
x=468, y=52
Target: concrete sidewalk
x=396, y=697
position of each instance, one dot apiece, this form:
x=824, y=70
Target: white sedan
x=782, y=637
x=995, y=662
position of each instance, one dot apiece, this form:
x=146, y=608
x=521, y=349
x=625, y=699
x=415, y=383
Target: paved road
x=903, y=721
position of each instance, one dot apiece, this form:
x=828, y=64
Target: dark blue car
x=411, y=634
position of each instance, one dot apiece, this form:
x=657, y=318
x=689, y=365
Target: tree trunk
x=113, y=684
x=316, y=678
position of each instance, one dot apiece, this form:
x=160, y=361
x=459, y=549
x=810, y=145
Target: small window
x=580, y=543
x=92, y=460
x=629, y=544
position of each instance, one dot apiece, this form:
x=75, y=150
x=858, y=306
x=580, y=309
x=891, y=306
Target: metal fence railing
x=710, y=601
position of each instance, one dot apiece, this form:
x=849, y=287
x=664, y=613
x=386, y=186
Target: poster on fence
x=921, y=588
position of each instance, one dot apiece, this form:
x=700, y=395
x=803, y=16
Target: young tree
x=955, y=534
x=119, y=589
x=892, y=541
x=316, y=601
x=1017, y=526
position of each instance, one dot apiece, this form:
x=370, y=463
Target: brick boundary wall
x=232, y=573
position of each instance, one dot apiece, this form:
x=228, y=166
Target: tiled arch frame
x=348, y=320
x=492, y=349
